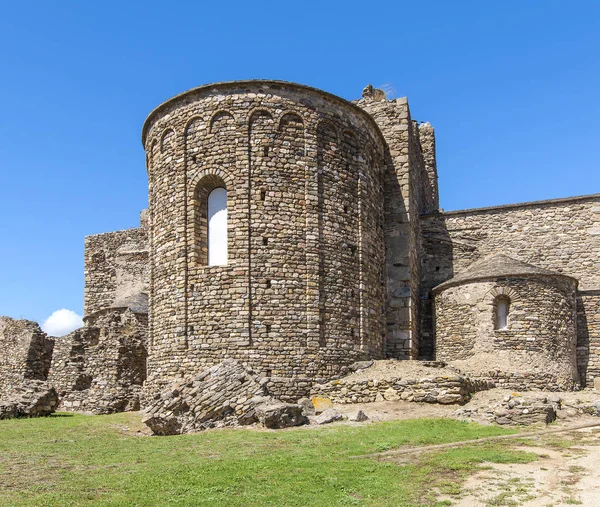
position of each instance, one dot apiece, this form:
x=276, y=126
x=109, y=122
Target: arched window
x=217, y=227
x=501, y=307
x=209, y=222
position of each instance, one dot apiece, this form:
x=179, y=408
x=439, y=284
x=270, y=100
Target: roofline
x=451, y=283
x=501, y=207
x=226, y=84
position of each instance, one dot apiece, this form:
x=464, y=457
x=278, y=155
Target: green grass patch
x=100, y=460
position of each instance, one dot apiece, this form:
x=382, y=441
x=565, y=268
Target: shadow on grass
x=60, y=414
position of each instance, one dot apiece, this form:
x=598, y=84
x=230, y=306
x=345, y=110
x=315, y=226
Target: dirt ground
x=571, y=409
x=567, y=472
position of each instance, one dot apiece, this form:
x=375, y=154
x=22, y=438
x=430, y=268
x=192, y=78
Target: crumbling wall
x=442, y=389
x=25, y=353
x=100, y=368
x=116, y=267
x=561, y=235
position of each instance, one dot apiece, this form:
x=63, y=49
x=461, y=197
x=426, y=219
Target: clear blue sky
x=512, y=88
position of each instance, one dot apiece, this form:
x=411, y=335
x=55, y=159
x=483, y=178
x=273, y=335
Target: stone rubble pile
x=227, y=394
x=575, y=408
x=515, y=409
x=32, y=398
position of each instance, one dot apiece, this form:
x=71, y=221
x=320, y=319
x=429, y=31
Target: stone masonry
x=335, y=242
x=301, y=295
x=25, y=353
x=101, y=367
x=540, y=337
x=336, y=252
x=560, y=235
x=116, y=267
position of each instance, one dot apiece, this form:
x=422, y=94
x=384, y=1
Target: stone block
x=321, y=404
x=31, y=398
x=328, y=416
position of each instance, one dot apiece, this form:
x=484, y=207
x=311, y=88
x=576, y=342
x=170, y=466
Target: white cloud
x=62, y=322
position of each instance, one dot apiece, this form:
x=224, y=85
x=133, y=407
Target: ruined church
x=299, y=233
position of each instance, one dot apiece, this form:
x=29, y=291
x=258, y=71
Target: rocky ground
x=574, y=407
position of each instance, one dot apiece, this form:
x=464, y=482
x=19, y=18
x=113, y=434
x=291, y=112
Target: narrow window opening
x=217, y=227
x=268, y=373
x=502, y=305
x=345, y=209
x=268, y=284
x=437, y=268
x=263, y=195
x=268, y=326
x=265, y=241
x=266, y=151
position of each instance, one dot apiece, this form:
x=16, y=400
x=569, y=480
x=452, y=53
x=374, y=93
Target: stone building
x=299, y=233
x=503, y=313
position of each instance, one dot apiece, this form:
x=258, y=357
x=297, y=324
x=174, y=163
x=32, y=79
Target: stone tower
x=299, y=291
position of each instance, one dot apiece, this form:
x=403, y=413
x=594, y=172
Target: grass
x=72, y=460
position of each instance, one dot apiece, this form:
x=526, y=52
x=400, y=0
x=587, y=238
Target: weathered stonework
x=434, y=388
x=334, y=231
x=301, y=296
x=31, y=398
x=25, y=353
x=515, y=410
x=561, y=235
x=101, y=367
x=410, y=188
x=227, y=394
x=116, y=267
x=337, y=253
x=539, y=340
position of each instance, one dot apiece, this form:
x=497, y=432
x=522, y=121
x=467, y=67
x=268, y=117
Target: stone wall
x=588, y=336
x=538, y=344
x=116, y=267
x=561, y=235
x=100, y=368
x=302, y=293
x=410, y=188
x=432, y=389
x=25, y=353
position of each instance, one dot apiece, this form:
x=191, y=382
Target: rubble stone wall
x=116, y=267
x=433, y=389
x=561, y=235
x=100, y=368
x=25, y=353
x=540, y=337
x=302, y=293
